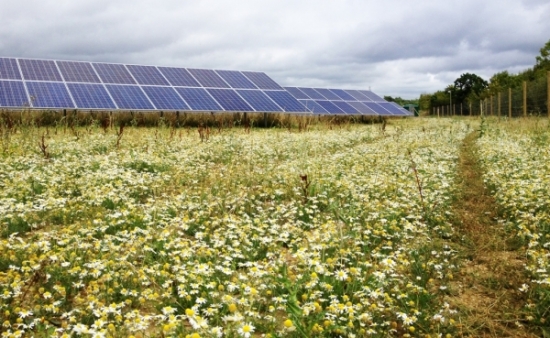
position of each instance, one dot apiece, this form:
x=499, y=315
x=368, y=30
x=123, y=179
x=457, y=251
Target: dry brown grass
x=486, y=290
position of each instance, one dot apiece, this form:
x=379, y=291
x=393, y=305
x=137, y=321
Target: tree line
x=469, y=88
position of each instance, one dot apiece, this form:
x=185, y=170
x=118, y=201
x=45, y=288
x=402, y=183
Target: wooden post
x=498, y=104
x=470, y=108
x=524, y=98
x=460, y=108
x=510, y=102
x=548, y=94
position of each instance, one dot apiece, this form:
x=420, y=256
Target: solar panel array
x=345, y=102
x=49, y=84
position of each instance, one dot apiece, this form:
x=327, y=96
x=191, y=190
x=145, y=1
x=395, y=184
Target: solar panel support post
x=265, y=120
x=177, y=118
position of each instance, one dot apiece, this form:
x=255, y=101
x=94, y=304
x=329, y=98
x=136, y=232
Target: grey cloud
x=396, y=47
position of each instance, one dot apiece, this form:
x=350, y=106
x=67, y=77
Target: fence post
x=510, y=102
x=498, y=104
x=548, y=94
x=470, y=108
x=524, y=98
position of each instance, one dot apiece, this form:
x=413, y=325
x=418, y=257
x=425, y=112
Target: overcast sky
x=394, y=47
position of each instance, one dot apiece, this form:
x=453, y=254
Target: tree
x=468, y=85
x=502, y=81
x=543, y=60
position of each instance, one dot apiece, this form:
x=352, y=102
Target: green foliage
x=468, y=86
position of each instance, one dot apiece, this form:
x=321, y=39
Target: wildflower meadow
x=327, y=232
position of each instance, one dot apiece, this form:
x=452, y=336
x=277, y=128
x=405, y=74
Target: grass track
x=487, y=293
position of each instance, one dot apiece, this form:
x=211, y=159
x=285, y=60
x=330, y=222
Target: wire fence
x=530, y=99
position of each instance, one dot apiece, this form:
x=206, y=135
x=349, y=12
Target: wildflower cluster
x=515, y=158
x=163, y=236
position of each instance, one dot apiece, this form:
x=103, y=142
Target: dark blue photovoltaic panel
x=12, y=94
x=40, y=70
x=259, y=101
x=377, y=108
x=129, y=97
x=199, y=99
x=330, y=107
x=9, y=69
x=392, y=109
x=312, y=93
x=113, y=73
x=236, y=79
x=346, y=108
x=77, y=72
x=208, y=78
x=262, y=81
x=361, y=108
x=356, y=94
x=90, y=96
x=286, y=101
x=49, y=95
x=343, y=95
x=372, y=96
x=297, y=93
x=313, y=107
x=165, y=98
x=179, y=77
x=230, y=100
x=147, y=75
x=328, y=94
x=402, y=109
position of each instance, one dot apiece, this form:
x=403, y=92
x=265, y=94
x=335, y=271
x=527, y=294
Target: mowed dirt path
x=486, y=291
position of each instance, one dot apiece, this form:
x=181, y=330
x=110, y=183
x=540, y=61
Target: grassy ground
x=411, y=230
x=486, y=288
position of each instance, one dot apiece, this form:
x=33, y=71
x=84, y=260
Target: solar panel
x=85, y=85
x=377, y=108
x=165, y=98
x=259, y=101
x=236, y=79
x=286, y=101
x=345, y=107
x=78, y=72
x=49, y=95
x=12, y=94
x=361, y=108
x=297, y=93
x=129, y=97
x=343, y=95
x=402, y=109
x=313, y=107
x=392, y=109
x=9, y=69
x=230, y=100
x=372, y=96
x=199, y=99
x=330, y=107
x=147, y=75
x=357, y=95
x=208, y=78
x=312, y=93
x=113, y=73
x=262, y=81
x=90, y=96
x=179, y=77
x=39, y=70
x=328, y=94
